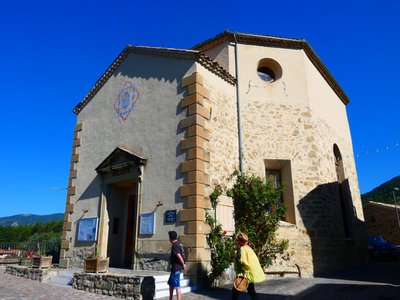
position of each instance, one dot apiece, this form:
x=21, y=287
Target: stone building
x=382, y=219
x=162, y=125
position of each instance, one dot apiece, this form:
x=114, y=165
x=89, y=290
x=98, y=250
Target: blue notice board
x=87, y=230
x=147, y=223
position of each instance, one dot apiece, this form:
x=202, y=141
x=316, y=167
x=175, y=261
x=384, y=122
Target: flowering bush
x=222, y=248
x=257, y=215
x=215, y=195
x=29, y=254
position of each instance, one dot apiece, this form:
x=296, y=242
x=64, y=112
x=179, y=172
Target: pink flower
x=225, y=232
x=244, y=184
x=251, y=182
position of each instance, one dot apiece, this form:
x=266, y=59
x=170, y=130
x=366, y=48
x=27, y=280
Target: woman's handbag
x=240, y=283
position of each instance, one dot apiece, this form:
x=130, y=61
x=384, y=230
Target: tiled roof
x=156, y=51
x=275, y=41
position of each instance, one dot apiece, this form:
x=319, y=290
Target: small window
x=274, y=176
x=269, y=70
x=266, y=74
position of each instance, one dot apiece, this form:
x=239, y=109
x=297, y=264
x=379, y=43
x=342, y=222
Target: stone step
x=61, y=280
x=165, y=293
x=162, y=287
x=62, y=277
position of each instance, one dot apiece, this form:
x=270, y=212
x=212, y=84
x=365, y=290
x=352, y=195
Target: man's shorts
x=174, y=280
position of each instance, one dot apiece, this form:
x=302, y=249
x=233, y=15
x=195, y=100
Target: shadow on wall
x=338, y=237
x=381, y=219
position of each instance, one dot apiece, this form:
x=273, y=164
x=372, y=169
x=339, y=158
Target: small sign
x=87, y=230
x=147, y=222
x=170, y=216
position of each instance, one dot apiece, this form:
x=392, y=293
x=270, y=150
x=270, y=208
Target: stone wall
x=298, y=257
x=29, y=273
x=381, y=219
x=133, y=288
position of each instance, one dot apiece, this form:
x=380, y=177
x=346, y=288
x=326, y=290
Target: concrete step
x=63, y=277
x=165, y=293
x=162, y=287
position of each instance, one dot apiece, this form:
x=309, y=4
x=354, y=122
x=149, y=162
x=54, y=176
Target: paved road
x=379, y=280
x=18, y=288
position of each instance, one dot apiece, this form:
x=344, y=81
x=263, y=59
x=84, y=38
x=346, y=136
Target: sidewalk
x=378, y=280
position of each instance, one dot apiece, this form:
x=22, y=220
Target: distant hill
x=384, y=192
x=27, y=219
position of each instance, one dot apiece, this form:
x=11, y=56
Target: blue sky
x=52, y=53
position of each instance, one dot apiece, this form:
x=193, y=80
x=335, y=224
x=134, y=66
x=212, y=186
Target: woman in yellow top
x=246, y=262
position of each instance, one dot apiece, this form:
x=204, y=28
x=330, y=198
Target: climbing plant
x=257, y=213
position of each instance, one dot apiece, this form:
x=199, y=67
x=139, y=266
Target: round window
x=269, y=70
x=266, y=74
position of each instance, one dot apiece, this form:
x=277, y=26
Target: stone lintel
x=63, y=253
x=191, y=214
x=78, y=127
x=193, y=240
x=69, y=208
x=192, y=165
x=71, y=190
x=75, y=158
x=196, y=109
x=198, y=201
x=67, y=226
x=194, y=78
x=198, y=176
x=66, y=217
x=192, y=120
x=192, y=189
x=195, y=153
x=76, y=143
x=199, y=254
x=195, y=227
x=192, y=99
x=65, y=244
x=73, y=174
x=196, y=130
x=197, y=88
x=191, y=142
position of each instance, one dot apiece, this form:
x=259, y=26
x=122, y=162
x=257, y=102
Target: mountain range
x=384, y=192
x=29, y=219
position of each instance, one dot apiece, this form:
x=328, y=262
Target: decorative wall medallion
x=126, y=99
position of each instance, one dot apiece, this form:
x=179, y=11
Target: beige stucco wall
x=152, y=130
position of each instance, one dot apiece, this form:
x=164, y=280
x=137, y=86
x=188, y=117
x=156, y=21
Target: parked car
x=380, y=248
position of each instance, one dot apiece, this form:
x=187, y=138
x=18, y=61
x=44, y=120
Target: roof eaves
x=195, y=55
x=275, y=41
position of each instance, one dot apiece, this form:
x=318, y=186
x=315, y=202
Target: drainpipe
x=240, y=136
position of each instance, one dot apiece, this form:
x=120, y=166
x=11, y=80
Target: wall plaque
x=87, y=230
x=170, y=216
x=147, y=223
